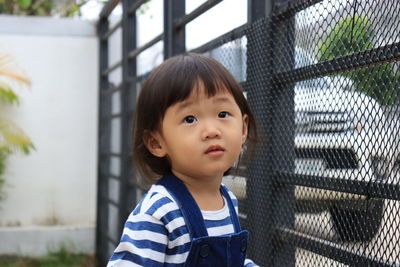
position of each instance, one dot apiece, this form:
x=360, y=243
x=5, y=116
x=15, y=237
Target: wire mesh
x=333, y=133
x=322, y=186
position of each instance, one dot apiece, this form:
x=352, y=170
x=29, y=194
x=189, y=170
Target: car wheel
x=358, y=225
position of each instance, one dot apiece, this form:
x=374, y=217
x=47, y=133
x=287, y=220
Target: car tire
x=358, y=225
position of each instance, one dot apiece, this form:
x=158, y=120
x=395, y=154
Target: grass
x=62, y=258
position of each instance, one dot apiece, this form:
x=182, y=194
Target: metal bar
x=365, y=59
x=111, y=68
x=290, y=8
x=320, y=205
x=139, y=50
x=104, y=144
x=110, y=154
x=328, y=249
x=116, y=115
x=374, y=189
x=138, y=79
x=115, y=177
x=128, y=99
x=111, y=31
x=111, y=89
x=196, y=13
x=283, y=135
x=174, y=38
x=135, y=6
x=223, y=39
x=109, y=239
x=112, y=176
x=260, y=212
x=282, y=132
x=108, y=8
x=110, y=116
x=258, y=9
x=384, y=190
x=109, y=201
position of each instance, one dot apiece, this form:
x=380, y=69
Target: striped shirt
x=155, y=233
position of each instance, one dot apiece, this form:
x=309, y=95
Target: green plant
x=355, y=34
x=12, y=138
x=65, y=8
x=62, y=8
x=61, y=258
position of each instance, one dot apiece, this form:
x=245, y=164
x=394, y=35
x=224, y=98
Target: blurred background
x=49, y=110
x=48, y=131
x=322, y=77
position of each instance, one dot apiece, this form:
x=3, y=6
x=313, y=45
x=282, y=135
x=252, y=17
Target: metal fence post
x=104, y=146
x=128, y=99
x=283, y=131
x=174, y=38
x=259, y=216
x=265, y=195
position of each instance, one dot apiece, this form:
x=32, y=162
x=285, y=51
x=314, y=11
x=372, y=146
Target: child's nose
x=211, y=131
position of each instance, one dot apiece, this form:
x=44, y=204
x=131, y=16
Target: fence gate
x=323, y=79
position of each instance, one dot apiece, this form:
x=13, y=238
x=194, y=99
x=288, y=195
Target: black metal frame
x=104, y=142
x=271, y=231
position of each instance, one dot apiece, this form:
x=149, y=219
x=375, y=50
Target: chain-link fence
x=323, y=79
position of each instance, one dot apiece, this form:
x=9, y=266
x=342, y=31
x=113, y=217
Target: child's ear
x=245, y=128
x=153, y=143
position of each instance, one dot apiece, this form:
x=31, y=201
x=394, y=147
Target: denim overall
x=216, y=251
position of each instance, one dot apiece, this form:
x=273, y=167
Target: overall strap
x=232, y=211
x=190, y=210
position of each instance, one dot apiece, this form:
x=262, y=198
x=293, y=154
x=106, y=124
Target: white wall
x=52, y=191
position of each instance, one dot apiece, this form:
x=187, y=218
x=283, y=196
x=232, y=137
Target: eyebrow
x=185, y=104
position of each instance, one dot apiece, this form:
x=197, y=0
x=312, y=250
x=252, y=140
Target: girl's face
x=201, y=136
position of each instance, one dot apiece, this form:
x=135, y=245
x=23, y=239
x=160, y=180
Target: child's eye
x=223, y=114
x=189, y=119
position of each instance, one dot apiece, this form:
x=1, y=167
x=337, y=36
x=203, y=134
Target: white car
x=342, y=134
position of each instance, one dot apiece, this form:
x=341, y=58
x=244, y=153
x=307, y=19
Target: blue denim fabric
x=227, y=250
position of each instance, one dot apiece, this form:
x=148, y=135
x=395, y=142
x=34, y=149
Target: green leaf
x=12, y=138
x=352, y=35
x=7, y=96
x=24, y=3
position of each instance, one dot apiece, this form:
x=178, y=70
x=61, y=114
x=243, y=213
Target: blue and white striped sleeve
x=145, y=237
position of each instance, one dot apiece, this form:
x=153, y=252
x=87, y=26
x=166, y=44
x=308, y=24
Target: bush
x=353, y=35
x=12, y=138
x=65, y=8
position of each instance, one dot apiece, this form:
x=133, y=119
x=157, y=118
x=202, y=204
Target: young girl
x=191, y=123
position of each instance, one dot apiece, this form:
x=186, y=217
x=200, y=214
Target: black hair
x=171, y=82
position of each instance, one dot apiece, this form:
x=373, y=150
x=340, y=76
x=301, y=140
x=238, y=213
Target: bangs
x=197, y=74
x=199, y=85
x=179, y=77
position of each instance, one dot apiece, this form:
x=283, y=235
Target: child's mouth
x=215, y=150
